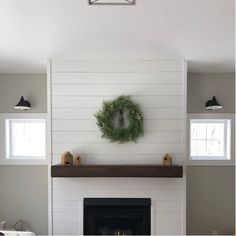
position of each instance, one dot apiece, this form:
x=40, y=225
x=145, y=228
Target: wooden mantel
x=145, y=171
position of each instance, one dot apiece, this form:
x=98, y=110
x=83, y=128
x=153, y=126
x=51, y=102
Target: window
x=210, y=139
x=25, y=138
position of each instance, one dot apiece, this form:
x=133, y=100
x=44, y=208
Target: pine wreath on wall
x=120, y=120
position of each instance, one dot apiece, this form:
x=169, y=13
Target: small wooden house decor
x=167, y=160
x=67, y=159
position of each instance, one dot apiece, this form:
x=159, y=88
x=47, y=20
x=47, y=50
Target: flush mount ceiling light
x=111, y=2
x=213, y=104
x=22, y=104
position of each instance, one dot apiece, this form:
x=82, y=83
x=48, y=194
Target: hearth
x=117, y=216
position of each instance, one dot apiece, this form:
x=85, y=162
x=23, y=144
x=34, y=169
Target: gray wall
x=202, y=87
x=210, y=200
x=24, y=189
x=210, y=189
x=32, y=86
x=24, y=196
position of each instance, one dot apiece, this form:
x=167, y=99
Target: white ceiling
x=200, y=31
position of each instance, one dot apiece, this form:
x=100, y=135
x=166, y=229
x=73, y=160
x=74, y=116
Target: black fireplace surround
x=117, y=216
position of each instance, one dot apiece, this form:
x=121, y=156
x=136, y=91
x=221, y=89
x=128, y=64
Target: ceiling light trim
x=112, y=2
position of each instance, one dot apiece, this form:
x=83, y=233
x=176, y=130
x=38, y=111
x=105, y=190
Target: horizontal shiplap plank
x=171, y=218
x=66, y=217
x=168, y=229
x=128, y=159
x=116, y=66
x=116, y=183
x=169, y=206
x=91, y=126
x=154, y=194
x=95, y=137
x=65, y=229
x=128, y=148
x=66, y=206
x=96, y=102
x=130, y=89
x=88, y=113
x=118, y=78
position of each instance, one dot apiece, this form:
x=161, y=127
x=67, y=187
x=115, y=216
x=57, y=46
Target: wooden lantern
x=167, y=160
x=78, y=160
x=67, y=159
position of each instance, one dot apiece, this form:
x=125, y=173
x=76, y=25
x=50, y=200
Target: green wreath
x=112, y=123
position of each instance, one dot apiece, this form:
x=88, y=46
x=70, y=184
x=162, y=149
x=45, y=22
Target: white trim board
x=49, y=147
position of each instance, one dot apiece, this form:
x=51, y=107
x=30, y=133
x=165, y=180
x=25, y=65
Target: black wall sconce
x=22, y=104
x=213, y=104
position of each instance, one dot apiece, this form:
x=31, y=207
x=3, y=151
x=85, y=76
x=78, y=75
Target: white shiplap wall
x=78, y=89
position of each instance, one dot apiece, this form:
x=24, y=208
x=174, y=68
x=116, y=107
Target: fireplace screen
x=117, y=216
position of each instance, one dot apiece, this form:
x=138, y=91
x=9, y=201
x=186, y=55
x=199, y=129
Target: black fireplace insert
x=117, y=216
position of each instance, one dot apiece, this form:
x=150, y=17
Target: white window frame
x=9, y=139
x=212, y=117
x=227, y=141
x=4, y=155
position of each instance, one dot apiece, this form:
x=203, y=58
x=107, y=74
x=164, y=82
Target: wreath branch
x=120, y=134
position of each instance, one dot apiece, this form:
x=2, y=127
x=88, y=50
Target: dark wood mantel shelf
x=146, y=171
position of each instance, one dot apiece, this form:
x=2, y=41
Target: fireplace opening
x=117, y=216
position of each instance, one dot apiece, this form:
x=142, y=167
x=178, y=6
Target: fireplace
x=117, y=216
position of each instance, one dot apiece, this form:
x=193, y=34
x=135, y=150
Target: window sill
x=25, y=162
x=210, y=163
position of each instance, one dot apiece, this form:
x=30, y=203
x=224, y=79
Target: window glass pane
x=198, y=148
x=198, y=131
x=215, y=139
x=27, y=138
x=215, y=131
x=215, y=148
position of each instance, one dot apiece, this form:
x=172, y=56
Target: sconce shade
x=22, y=104
x=213, y=104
